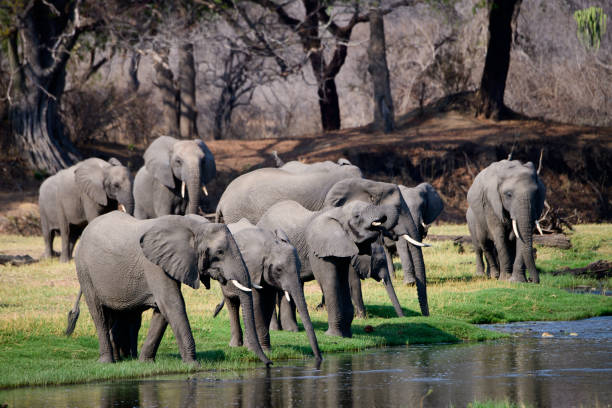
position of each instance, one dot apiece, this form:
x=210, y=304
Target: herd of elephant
x=275, y=228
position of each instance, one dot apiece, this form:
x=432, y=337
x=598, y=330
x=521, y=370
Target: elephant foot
x=106, y=359
x=64, y=259
x=410, y=282
x=360, y=314
x=519, y=278
x=339, y=333
x=235, y=343
x=193, y=363
x=144, y=359
x=274, y=326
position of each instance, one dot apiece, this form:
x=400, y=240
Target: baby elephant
x=75, y=196
x=126, y=266
x=273, y=265
x=327, y=241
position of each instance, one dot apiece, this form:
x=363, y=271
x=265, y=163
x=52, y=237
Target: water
x=560, y=371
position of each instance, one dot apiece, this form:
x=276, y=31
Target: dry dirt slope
x=445, y=149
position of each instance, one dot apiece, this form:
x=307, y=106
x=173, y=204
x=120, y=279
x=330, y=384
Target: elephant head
x=111, y=181
x=515, y=194
x=191, y=249
x=379, y=193
x=424, y=203
x=273, y=261
x=184, y=166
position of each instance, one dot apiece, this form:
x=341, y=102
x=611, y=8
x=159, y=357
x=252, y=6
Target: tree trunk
x=502, y=20
x=377, y=56
x=35, y=117
x=170, y=96
x=328, y=103
x=187, y=92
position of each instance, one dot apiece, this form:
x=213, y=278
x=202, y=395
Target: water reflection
x=561, y=371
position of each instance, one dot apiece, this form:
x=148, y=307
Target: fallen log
x=599, y=270
x=550, y=240
x=16, y=260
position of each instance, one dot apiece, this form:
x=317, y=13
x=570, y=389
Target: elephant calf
x=273, y=265
x=126, y=266
x=327, y=241
x=75, y=196
x=505, y=202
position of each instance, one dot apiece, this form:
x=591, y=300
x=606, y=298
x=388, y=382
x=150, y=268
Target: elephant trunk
x=193, y=189
x=127, y=200
x=407, y=224
x=524, y=245
x=246, y=301
x=300, y=303
x=391, y=292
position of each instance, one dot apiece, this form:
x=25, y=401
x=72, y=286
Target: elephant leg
x=169, y=300
x=356, y=294
x=287, y=314
x=275, y=323
x=233, y=309
x=332, y=275
x=492, y=266
x=154, y=336
x=100, y=315
x=407, y=263
x=503, y=253
x=65, y=235
x=73, y=236
x=480, y=268
x=48, y=236
x=263, y=305
x=390, y=265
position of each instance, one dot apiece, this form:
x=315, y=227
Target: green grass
x=34, y=301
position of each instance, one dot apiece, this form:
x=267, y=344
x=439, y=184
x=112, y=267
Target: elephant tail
x=277, y=160
x=73, y=315
x=219, y=307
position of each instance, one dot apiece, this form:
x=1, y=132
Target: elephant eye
x=116, y=185
x=178, y=162
x=508, y=194
x=371, y=198
x=219, y=252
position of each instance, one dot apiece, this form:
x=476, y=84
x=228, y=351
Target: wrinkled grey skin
x=169, y=163
x=425, y=205
x=75, y=196
x=126, y=266
x=299, y=167
x=326, y=242
x=250, y=195
x=273, y=264
x=504, y=191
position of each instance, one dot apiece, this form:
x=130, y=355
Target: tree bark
x=377, y=57
x=48, y=37
x=187, y=92
x=502, y=22
x=169, y=93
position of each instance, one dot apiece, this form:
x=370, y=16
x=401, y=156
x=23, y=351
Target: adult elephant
x=505, y=202
x=75, y=196
x=327, y=241
x=143, y=266
x=273, y=265
x=173, y=177
x=251, y=194
x=299, y=167
x=425, y=205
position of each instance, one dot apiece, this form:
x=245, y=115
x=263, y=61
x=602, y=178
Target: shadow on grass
x=406, y=333
x=387, y=311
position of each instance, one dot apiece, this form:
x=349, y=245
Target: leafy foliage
x=591, y=26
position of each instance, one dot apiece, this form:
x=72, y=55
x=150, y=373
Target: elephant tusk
x=205, y=191
x=376, y=224
x=537, y=223
x=240, y=286
x=183, y=189
x=121, y=208
x=256, y=286
x=414, y=241
x=287, y=296
x=424, y=225
x=516, y=232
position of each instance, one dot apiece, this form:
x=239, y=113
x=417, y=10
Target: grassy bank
x=34, y=300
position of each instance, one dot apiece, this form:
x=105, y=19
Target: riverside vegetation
x=35, y=299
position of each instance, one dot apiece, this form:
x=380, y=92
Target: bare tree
x=377, y=57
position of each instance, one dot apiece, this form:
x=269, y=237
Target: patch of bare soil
x=446, y=149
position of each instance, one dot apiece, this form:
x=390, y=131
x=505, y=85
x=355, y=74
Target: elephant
x=251, y=194
x=299, y=167
x=505, y=201
x=75, y=196
x=327, y=241
x=174, y=173
x=273, y=265
x=425, y=205
x=125, y=266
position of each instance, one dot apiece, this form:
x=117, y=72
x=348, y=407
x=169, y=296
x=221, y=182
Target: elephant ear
x=361, y=264
x=89, y=177
x=171, y=246
x=339, y=193
x=540, y=197
x=157, y=160
x=209, y=169
x=433, y=204
x=326, y=237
